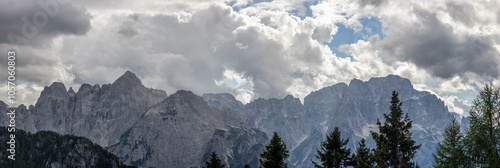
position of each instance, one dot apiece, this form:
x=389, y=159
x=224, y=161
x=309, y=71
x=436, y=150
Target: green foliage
x=363, y=158
x=395, y=148
x=275, y=154
x=214, y=162
x=44, y=147
x=333, y=153
x=483, y=137
x=451, y=152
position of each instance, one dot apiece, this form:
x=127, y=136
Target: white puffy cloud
x=271, y=49
x=176, y=53
x=25, y=93
x=445, y=47
x=457, y=105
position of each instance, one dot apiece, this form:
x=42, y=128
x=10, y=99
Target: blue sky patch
x=346, y=35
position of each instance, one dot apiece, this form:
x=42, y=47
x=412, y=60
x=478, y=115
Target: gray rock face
x=101, y=114
x=175, y=132
x=140, y=125
x=144, y=127
x=268, y=115
x=237, y=146
x=354, y=108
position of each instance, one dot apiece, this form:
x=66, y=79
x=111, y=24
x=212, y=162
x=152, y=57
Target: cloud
x=169, y=51
x=432, y=45
x=35, y=23
x=36, y=65
x=266, y=49
x=26, y=94
x=242, y=86
x=191, y=53
x=449, y=47
x=32, y=29
x=457, y=105
x=376, y=3
x=440, y=40
x=128, y=26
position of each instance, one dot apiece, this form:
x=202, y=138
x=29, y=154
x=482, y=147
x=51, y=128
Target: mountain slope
x=183, y=123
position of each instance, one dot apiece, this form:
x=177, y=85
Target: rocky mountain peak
x=55, y=90
x=177, y=103
x=289, y=97
x=227, y=100
x=186, y=95
x=84, y=88
x=128, y=78
x=290, y=100
x=355, y=82
x=393, y=81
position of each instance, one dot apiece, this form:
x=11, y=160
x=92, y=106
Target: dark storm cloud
x=30, y=22
x=32, y=64
x=432, y=45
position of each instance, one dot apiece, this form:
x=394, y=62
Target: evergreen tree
x=333, y=153
x=395, y=148
x=275, y=154
x=450, y=152
x=214, y=162
x=482, y=138
x=363, y=157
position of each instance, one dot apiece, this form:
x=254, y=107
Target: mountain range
x=144, y=127
x=353, y=107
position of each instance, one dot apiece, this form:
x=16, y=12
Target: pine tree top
x=214, y=162
x=275, y=154
x=334, y=152
x=395, y=148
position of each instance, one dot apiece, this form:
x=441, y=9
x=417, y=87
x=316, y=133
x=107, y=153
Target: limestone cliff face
x=269, y=115
x=353, y=107
x=101, y=114
x=237, y=146
x=176, y=132
x=142, y=126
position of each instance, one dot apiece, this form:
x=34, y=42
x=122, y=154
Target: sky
x=253, y=49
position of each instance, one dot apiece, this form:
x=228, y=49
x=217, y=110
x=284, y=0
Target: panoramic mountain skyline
x=253, y=49
x=142, y=126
